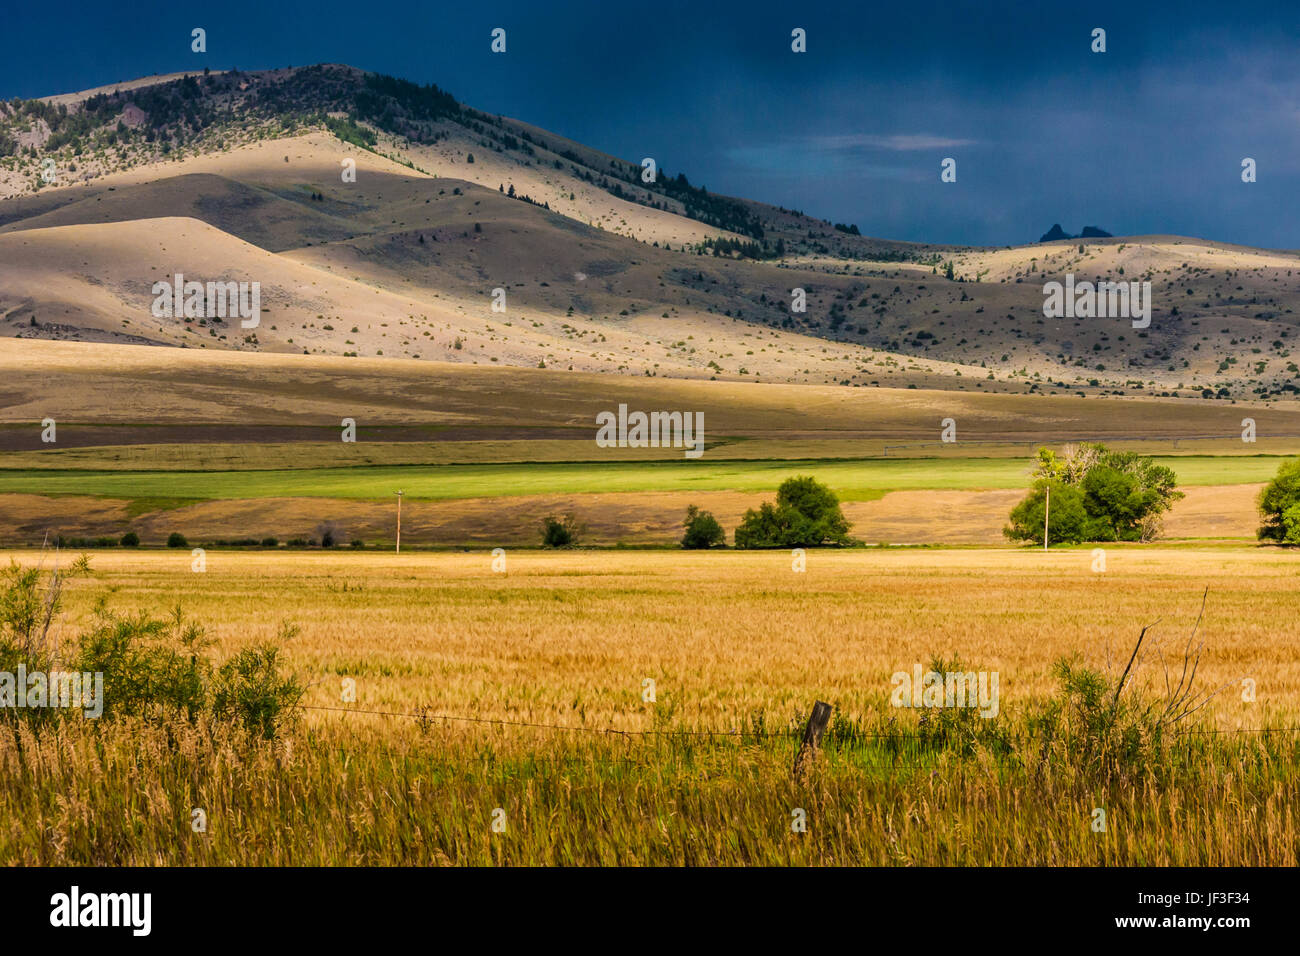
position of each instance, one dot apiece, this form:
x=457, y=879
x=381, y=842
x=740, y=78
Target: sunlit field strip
x=200, y=455
x=851, y=480
x=569, y=638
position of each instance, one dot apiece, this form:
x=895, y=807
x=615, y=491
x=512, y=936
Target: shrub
x=702, y=530
x=130, y=540
x=806, y=515
x=958, y=728
x=250, y=690
x=1279, y=505
x=1108, y=726
x=358, y=543
x=328, y=533
x=151, y=668
x=270, y=543
x=100, y=542
x=560, y=532
x=30, y=602
x=177, y=540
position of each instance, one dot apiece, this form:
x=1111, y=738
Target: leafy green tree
x=1291, y=524
x=1115, y=504
x=702, y=530
x=1067, y=522
x=1279, y=505
x=1122, y=496
x=806, y=515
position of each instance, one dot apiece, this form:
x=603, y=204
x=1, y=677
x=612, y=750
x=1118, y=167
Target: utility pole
x=399, y=522
x=1047, y=511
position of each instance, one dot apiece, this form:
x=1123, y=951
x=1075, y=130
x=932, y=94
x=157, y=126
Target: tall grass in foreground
x=182, y=733
x=364, y=792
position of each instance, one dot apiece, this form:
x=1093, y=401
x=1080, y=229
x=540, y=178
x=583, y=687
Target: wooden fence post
x=812, y=735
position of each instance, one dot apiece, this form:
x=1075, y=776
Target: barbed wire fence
x=756, y=733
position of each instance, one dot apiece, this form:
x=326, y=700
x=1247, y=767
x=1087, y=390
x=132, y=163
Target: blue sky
x=1145, y=138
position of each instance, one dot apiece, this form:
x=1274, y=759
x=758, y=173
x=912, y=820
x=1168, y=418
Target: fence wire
x=429, y=717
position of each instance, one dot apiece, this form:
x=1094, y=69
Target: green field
x=853, y=480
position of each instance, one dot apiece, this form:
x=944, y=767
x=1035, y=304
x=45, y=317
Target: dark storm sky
x=1145, y=138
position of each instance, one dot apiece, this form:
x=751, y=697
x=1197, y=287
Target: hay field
x=569, y=637
x=736, y=643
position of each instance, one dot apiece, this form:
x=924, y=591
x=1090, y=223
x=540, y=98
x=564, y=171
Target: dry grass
x=734, y=642
x=569, y=637
x=397, y=795
x=77, y=382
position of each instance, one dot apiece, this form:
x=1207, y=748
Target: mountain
x=240, y=176
x=424, y=128
x=1089, y=232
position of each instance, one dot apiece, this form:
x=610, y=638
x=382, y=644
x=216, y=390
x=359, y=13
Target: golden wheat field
x=569, y=637
x=511, y=724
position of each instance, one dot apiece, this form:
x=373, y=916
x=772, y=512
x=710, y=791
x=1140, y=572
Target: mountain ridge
x=603, y=271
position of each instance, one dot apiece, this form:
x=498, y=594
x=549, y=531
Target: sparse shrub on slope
x=347, y=130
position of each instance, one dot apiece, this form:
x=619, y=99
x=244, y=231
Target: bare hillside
x=481, y=239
